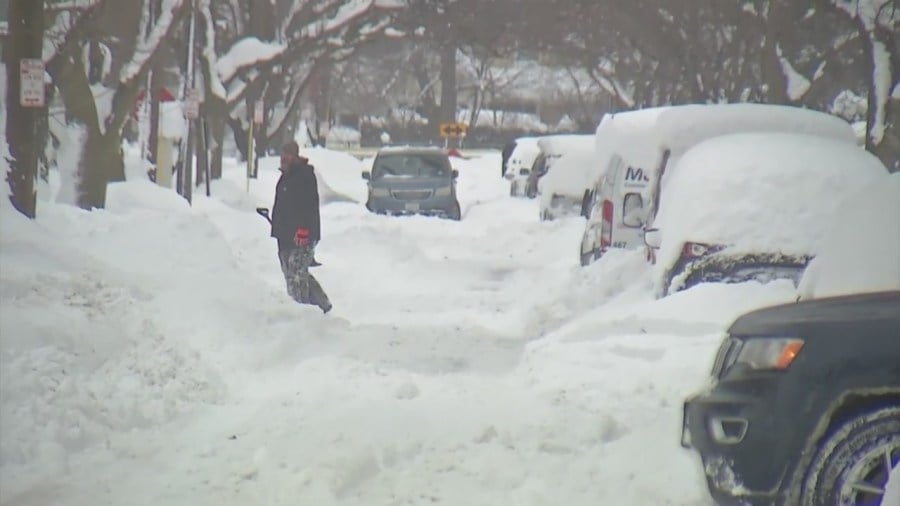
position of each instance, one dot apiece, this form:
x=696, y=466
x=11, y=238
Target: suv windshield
x=411, y=165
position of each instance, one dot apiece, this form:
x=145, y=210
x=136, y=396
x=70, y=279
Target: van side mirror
x=454, y=173
x=652, y=238
x=264, y=212
x=367, y=175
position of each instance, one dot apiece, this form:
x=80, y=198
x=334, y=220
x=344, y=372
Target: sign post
x=251, y=149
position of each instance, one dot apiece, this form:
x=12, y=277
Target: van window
x=632, y=208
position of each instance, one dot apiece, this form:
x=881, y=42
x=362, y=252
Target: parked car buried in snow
x=552, y=148
x=406, y=181
x=520, y=163
x=803, y=406
x=638, y=150
x=752, y=206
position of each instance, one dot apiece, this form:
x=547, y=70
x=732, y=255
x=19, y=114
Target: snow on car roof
x=412, y=149
x=760, y=192
x=678, y=128
x=860, y=251
x=561, y=144
x=681, y=127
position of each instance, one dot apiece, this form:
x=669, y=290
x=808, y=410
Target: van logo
x=632, y=174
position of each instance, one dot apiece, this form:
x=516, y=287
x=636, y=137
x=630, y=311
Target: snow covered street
x=150, y=355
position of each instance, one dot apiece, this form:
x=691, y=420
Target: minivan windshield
x=410, y=165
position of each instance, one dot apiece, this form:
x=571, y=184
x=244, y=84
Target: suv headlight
x=381, y=192
x=443, y=191
x=769, y=353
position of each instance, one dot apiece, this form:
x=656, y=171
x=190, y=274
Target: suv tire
x=855, y=452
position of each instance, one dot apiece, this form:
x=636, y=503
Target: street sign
x=192, y=104
x=257, y=113
x=453, y=130
x=31, y=82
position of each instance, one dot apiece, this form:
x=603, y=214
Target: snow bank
x=339, y=175
x=861, y=250
x=759, y=192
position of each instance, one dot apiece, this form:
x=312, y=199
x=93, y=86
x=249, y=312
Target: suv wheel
x=852, y=464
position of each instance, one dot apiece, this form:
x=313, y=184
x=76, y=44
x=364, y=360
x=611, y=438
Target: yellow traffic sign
x=453, y=130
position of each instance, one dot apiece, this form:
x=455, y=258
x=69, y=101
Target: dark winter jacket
x=296, y=205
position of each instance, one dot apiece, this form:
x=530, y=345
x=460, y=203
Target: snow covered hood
x=760, y=192
x=570, y=175
x=861, y=251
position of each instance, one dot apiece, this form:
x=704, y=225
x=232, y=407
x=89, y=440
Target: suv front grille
x=411, y=194
x=726, y=356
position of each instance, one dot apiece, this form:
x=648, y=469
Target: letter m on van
x=637, y=175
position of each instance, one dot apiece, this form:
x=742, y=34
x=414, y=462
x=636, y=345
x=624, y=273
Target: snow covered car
x=552, y=148
x=562, y=189
x=803, y=405
x=752, y=206
x=638, y=149
x=519, y=165
x=406, y=181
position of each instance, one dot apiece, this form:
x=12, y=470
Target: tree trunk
x=102, y=158
x=100, y=151
x=216, y=124
x=448, y=82
x=26, y=23
x=240, y=137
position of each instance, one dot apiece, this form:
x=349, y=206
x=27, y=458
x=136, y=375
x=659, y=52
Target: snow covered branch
x=147, y=46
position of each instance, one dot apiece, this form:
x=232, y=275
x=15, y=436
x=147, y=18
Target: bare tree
x=293, y=38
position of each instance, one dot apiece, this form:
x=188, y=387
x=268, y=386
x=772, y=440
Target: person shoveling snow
x=296, y=226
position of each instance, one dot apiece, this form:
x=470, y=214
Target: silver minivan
x=407, y=181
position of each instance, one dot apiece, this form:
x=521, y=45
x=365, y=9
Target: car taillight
x=606, y=225
x=694, y=250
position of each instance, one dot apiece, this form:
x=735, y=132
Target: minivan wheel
x=852, y=464
x=455, y=212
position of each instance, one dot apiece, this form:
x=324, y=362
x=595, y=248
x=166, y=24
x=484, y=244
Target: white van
x=754, y=206
x=638, y=146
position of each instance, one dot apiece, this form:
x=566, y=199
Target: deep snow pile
x=150, y=355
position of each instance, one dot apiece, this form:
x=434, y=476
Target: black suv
x=803, y=407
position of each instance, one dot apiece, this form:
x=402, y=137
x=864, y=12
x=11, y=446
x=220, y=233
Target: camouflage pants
x=301, y=285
